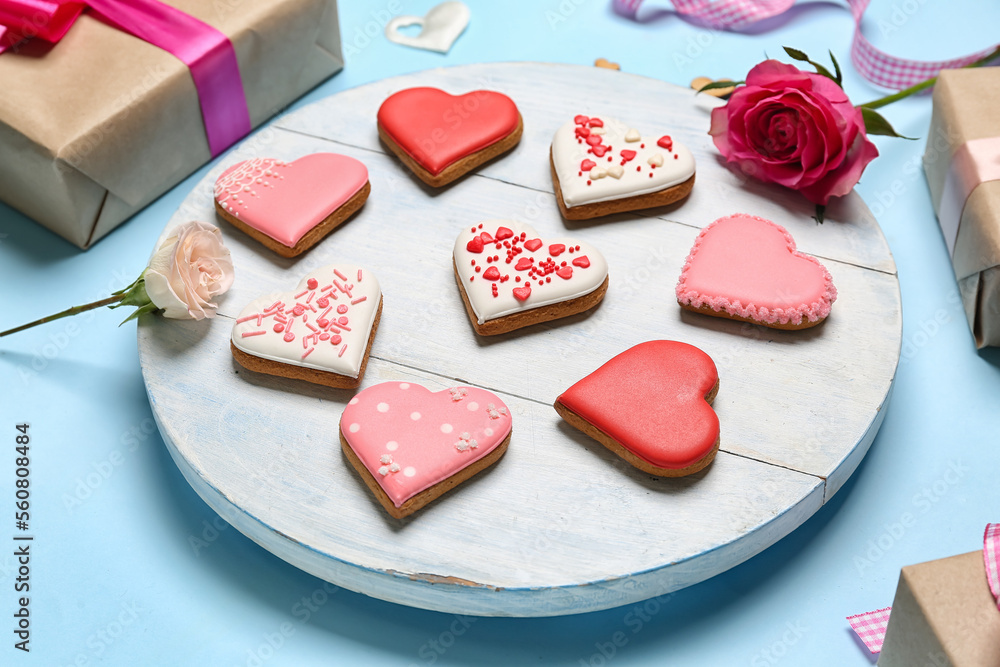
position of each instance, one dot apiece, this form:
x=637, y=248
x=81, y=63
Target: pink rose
x=796, y=129
x=187, y=270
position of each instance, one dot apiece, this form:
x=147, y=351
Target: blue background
x=130, y=566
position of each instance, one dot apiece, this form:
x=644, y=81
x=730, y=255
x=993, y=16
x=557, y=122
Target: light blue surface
x=130, y=567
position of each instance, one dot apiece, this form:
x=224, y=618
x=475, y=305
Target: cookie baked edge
x=599, y=209
x=582, y=425
x=460, y=167
x=325, y=378
x=429, y=494
x=526, y=318
x=337, y=217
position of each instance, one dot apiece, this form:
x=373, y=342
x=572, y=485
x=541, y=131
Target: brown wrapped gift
x=943, y=614
x=965, y=110
x=97, y=126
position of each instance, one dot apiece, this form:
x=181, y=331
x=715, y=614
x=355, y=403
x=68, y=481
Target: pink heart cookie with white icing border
x=510, y=277
x=320, y=332
x=291, y=206
x=411, y=445
x=746, y=268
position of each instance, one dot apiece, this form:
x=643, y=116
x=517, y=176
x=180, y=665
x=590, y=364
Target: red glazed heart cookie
x=746, y=268
x=320, y=332
x=411, y=445
x=440, y=137
x=291, y=206
x=510, y=277
x=650, y=405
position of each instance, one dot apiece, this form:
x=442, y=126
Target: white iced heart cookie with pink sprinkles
x=410, y=445
x=510, y=277
x=321, y=331
x=602, y=166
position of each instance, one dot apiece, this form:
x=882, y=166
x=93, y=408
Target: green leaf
x=820, y=212
x=148, y=308
x=715, y=85
x=135, y=296
x=875, y=123
x=795, y=54
x=836, y=68
x=130, y=286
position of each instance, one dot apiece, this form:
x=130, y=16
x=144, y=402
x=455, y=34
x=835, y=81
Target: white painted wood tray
x=560, y=525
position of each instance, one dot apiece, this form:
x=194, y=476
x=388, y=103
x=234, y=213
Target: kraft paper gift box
x=944, y=615
x=96, y=126
x=962, y=164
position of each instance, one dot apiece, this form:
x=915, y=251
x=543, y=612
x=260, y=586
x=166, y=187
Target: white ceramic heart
x=440, y=27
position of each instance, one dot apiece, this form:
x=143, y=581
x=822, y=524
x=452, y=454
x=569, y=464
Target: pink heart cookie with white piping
x=291, y=206
x=411, y=445
x=320, y=332
x=746, y=268
x=510, y=277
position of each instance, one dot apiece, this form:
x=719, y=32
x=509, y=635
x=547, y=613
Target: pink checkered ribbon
x=870, y=627
x=874, y=64
x=991, y=558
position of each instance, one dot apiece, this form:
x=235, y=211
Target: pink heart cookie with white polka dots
x=411, y=445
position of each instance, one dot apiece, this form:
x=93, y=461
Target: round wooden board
x=560, y=525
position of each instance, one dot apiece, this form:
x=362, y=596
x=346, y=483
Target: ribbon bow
x=206, y=51
x=875, y=65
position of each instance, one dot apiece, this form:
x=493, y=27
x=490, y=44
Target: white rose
x=187, y=270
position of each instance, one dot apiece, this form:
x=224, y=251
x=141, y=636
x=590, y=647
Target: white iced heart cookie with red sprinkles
x=510, y=277
x=321, y=331
x=602, y=166
x=411, y=445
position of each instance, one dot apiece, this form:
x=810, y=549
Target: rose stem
x=906, y=92
x=75, y=310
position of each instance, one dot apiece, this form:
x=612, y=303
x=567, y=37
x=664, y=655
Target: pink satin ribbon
x=871, y=626
x=206, y=51
x=874, y=64
x=974, y=163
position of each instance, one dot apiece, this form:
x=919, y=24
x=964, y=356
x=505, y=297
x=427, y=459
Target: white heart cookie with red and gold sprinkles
x=320, y=332
x=510, y=277
x=602, y=166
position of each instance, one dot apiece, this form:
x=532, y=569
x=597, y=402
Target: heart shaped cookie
x=439, y=28
x=320, y=332
x=291, y=206
x=440, y=137
x=411, y=445
x=601, y=166
x=510, y=277
x=650, y=405
x=746, y=268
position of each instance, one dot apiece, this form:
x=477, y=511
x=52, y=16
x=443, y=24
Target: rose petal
x=162, y=295
x=777, y=75
x=842, y=180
